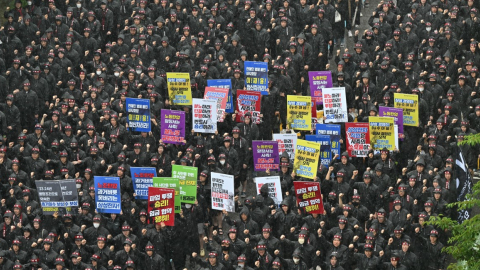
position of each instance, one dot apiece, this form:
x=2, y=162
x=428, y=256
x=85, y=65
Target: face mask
x=96, y=225
x=356, y=203
x=99, y=72
x=241, y=266
x=138, y=71
x=29, y=3
x=79, y=186
x=188, y=206
x=116, y=74
x=224, y=248
x=222, y=162
x=79, y=5
x=296, y=261
x=301, y=241
x=421, y=89
x=428, y=29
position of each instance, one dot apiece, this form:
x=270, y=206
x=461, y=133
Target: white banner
x=335, y=105
x=223, y=192
x=286, y=142
x=204, y=115
x=274, y=187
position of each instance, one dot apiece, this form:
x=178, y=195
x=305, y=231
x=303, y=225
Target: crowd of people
x=67, y=67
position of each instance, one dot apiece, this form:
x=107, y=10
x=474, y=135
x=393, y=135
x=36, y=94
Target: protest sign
x=107, y=195
x=409, y=104
x=396, y=113
x=223, y=192
x=381, y=132
x=299, y=112
x=58, y=196
x=170, y=182
x=142, y=180
x=204, y=115
x=335, y=135
x=286, y=143
x=309, y=196
x=325, y=142
x=161, y=205
x=138, y=114
x=358, y=139
x=172, y=126
x=187, y=177
x=307, y=155
x=179, y=89
x=265, y=155
x=319, y=80
x=221, y=96
x=227, y=84
x=248, y=101
x=256, y=76
x=335, y=105
x=274, y=187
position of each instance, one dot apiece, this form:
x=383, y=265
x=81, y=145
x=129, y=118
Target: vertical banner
x=299, y=112
x=307, y=155
x=396, y=113
x=161, y=205
x=265, y=156
x=335, y=135
x=170, y=182
x=221, y=96
x=319, y=80
x=179, y=89
x=409, y=104
x=108, y=199
x=187, y=177
x=309, y=196
x=138, y=114
x=381, y=133
x=335, y=105
x=286, y=143
x=142, y=180
x=256, y=76
x=248, y=101
x=358, y=139
x=274, y=187
x=223, y=192
x=204, y=115
x=172, y=126
x=325, y=142
x=58, y=196
x=226, y=84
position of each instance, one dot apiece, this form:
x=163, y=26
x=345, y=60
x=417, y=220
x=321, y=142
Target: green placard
x=187, y=177
x=169, y=182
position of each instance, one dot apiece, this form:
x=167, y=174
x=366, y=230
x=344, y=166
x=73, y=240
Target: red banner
x=358, y=139
x=161, y=205
x=248, y=101
x=309, y=196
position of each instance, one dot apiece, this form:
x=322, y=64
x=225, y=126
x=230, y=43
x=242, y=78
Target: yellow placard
x=306, y=159
x=409, y=104
x=179, y=91
x=382, y=132
x=299, y=112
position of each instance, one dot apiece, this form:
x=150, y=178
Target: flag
x=464, y=184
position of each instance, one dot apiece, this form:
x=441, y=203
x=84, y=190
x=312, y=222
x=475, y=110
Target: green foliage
x=471, y=139
x=464, y=242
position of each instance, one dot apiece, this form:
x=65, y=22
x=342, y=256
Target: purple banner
x=265, y=155
x=319, y=80
x=173, y=126
x=396, y=113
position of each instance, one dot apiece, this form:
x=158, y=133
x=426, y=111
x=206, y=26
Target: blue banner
x=334, y=132
x=256, y=76
x=142, y=179
x=138, y=114
x=108, y=199
x=224, y=83
x=325, y=147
